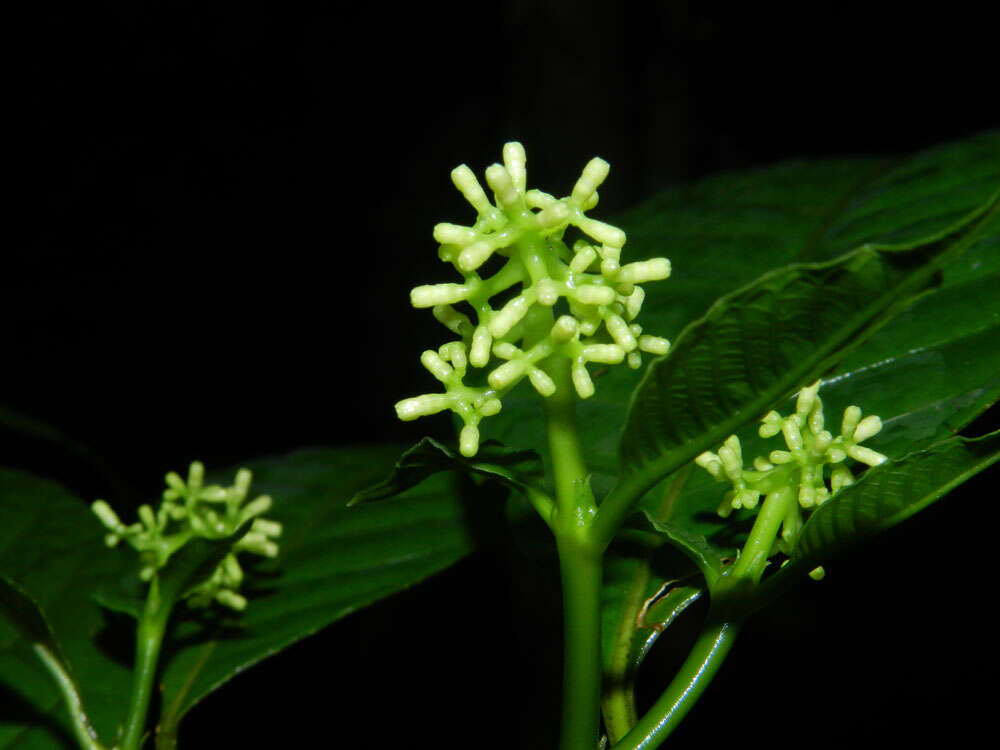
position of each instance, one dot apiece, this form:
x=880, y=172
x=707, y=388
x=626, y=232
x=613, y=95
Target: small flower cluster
x=193, y=509
x=800, y=468
x=583, y=300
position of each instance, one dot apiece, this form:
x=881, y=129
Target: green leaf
x=760, y=344
x=23, y=612
x=429, y=457
x=694, y=545
x=888, y=494
x=927, y=373
x=333, y=561
x=195, y=562
x=52, y=547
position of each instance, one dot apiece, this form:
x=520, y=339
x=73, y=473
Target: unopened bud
x=852, y=415
x=608, y=354
x=453, y=234
x=565, y=328
x=583, y=259
x=515, y=159
x=430, y=295
x=469, y=186
x=547, y=291
x=502, y=184
x=507, y=374
x=655, y=269
x=603, y=233
x=620, y=332
x=479, y=353
x=590, y=179
x=474, y=255
x=421, y=406
x=231, y=599
x=592, y=294
x=654, y=345
x=867, y=427
x=866, y=455
x=435, y=365
x=509, y=315
x=555, y=215
x=582, y=382
x=468, y=440
x=542, y=382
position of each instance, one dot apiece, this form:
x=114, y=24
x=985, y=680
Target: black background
x=220, y=207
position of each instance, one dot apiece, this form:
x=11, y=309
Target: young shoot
x=792, y=482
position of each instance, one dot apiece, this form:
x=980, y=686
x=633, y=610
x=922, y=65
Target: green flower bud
x=593, y=175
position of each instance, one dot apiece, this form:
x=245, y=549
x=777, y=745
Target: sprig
x=794, y=479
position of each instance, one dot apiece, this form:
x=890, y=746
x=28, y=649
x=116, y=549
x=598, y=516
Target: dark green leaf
x=195, y=562
x=928, y=373
x=760, y=344
x=428, y=457
x=23, y=612
x=333, y=561
x=889, y=494
x=694, y=545
x=52, y=546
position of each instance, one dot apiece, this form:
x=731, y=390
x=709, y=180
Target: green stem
x=756, y=550
x=580, y=564
x=692, y=679
x=149, y=638
x=618, y=702
x=581, y=700
x=82, y=727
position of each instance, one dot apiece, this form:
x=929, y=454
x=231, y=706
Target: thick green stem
x=149, y=638
x=580, y=566
x=690, y=682
x=581, y=699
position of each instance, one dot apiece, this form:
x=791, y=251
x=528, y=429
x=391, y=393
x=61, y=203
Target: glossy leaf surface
x=888, y=495
x=762, y=343
x=333, y=560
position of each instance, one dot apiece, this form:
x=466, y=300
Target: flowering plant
x=786, y=282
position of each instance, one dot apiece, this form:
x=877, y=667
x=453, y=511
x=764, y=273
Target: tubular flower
x=800, y=469
x=193, y=509
x=576, y=303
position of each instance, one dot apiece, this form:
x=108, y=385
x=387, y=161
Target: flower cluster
x=579, y=304
x=800, y=469
x=193, y=509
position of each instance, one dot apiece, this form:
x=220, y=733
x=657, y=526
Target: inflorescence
x=596, y=298
x=799, y=470
x=193, y=509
